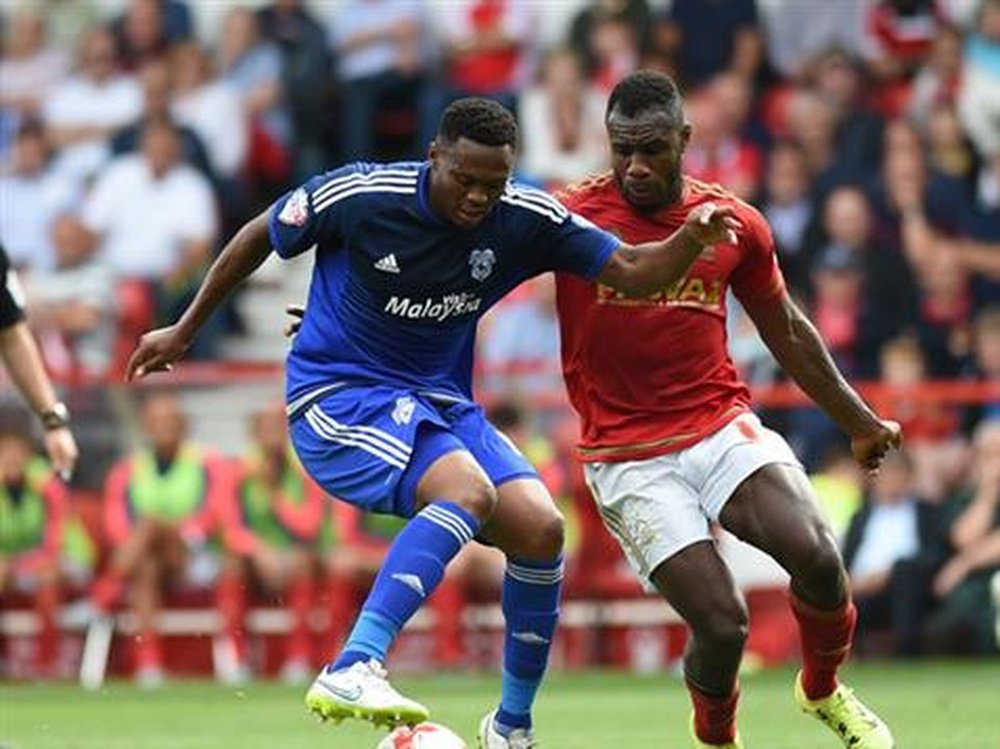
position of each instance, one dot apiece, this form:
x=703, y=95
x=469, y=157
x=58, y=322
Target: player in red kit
x=668, y=438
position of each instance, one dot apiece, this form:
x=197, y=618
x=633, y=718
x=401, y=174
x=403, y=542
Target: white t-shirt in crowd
x=145, y=222
x=348, y=19
x=28, y=206
x=32, y=77
x=890, y=535
x=216, y=113
x=82, y=102
x=541, y=157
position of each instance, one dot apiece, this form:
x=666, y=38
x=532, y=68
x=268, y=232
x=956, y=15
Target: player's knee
x=477, y=496
x=544, y=539
x=821, y=571
x=725, y=630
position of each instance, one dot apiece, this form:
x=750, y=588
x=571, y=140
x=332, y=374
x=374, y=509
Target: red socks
x=148, y=653
x=107, y=591
x=47, y=608
x=300, y=599
x=826, y=641
x=343, y=604
x=714, y=717
x=448, y=604
x=230, y=597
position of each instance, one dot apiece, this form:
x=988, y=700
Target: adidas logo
x=530, y=638
x=387, y=264
x=411, y=581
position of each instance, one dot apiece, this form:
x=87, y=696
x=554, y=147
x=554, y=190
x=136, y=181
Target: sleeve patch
x=295, y=212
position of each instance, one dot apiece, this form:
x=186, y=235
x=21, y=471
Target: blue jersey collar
x=423, y=196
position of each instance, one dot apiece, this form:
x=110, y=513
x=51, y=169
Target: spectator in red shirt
x=931, y=438
x=162, y=507
x=837, y=303
x=487, y=51
x=903, y=33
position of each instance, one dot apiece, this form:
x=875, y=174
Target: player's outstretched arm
x=159, y=349
x=800, y=351
x=24, y=365
x=641, y=270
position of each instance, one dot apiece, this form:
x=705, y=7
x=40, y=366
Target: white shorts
x=658, y=506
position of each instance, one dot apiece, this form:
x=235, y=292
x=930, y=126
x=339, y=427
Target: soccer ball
x=422, y=736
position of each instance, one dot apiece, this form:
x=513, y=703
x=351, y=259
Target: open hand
x=710, y=224
x=157, y=351
x=870, y=449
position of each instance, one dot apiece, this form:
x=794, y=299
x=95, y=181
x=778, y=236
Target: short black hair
x=644, y=90
x=481, y=120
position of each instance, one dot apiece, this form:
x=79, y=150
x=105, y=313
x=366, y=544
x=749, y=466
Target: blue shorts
x=371, y=445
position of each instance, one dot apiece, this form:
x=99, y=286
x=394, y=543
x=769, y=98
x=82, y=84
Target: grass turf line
x=929, y=706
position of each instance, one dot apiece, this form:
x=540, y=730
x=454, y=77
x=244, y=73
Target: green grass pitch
x=929, y=706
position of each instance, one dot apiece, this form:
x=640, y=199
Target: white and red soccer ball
x=422, y=736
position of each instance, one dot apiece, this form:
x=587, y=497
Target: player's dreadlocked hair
x=644, y=90
x=480, y=120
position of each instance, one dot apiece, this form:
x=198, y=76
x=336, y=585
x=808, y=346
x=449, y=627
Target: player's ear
x=686, y=131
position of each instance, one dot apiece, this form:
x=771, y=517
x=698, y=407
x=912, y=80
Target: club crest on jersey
x=482, y=262
x=403, y=411
x=296, y=208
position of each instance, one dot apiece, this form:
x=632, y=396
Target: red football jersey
x=652, y=376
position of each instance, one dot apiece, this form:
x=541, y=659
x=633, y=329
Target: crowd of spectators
x=133, y=141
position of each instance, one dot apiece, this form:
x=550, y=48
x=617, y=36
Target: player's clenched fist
x=157, y=351
x=869, y=449
x=710, y=224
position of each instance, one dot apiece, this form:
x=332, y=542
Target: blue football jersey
x=396, y=291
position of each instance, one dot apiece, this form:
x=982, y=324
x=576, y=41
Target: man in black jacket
x=892, y=551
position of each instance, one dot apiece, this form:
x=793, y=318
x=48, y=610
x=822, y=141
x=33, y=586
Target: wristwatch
x=55, y=417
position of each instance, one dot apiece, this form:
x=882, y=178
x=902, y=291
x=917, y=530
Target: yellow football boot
x=699, y=744
x=856, y=725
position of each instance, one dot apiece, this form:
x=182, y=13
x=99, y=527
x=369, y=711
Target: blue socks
x=531, y=607
x=411, y=571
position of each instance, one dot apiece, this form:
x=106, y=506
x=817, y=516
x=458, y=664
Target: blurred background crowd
x=137, y=135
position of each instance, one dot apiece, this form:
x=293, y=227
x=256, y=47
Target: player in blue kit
x=408, y=256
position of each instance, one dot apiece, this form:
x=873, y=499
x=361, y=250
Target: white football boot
x=362, y=691
x=491, y=738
